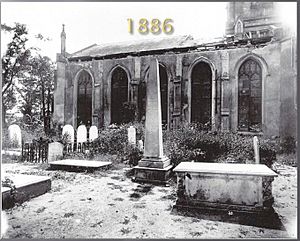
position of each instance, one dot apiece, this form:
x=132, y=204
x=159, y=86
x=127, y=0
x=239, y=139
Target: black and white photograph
x=149, y=120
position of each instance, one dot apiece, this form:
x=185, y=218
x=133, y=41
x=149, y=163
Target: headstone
x=15, y=135
x=68, y=130
x=154, y=166
x=93, y=133
x=131, y=135
x=81, y=134
x=141, y=145
x=55, y=151
x=256, y=149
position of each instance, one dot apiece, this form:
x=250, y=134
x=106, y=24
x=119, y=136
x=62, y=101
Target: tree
x=14, y=61
x=29, y=75
x=38, y=89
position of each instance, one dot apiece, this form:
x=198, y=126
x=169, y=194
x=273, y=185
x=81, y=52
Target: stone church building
x=245, y=81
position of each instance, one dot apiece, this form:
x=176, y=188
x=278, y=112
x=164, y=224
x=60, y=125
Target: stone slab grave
x=224, y=186
x=27, y=187
x=78, y=165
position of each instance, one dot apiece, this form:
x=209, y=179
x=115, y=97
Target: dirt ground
x=107, y=204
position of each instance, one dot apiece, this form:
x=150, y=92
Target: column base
x=155, y=162
x=152, y=175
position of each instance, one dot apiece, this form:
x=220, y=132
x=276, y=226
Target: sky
x=104, y=22
x=88, y=23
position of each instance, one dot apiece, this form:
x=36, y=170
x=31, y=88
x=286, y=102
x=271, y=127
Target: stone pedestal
x=154, y=166
x=224, y=186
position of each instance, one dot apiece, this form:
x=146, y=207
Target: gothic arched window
x=201, y=94
x=163, y=77
x=84, y=99
x=250, y=96
x=119, y=95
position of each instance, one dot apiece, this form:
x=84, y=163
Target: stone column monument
x=154, y=166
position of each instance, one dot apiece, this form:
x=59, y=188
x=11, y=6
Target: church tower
x=60, y=79
x=247, y=20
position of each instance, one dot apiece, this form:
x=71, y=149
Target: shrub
x=114, y=141
x=132, y=154
x=190, y=143
x=288, y=145
x=128, y=112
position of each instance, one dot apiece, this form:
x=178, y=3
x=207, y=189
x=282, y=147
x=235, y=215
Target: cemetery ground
x=107, y=204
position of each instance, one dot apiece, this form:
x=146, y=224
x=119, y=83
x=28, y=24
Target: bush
x=288, y=145
x=190, y=143
x=132, y=154
x=113, y=140
x=128, y=112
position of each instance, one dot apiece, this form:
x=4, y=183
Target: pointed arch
x=251, y=73
x=164, y=93
x=164, y=76
x=201, y=92
x=83, y=97
x=119, y=80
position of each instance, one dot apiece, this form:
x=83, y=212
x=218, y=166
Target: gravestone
x=131, y=135
x=93, y=133
x=68, y=130
x=81, y=134
x=256, y=149
x=154, y=166
x=15, y=135
x=140, y=145
x=55, y=151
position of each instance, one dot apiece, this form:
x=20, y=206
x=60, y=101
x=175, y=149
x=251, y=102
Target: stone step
x=26, y=187
x=77, y=165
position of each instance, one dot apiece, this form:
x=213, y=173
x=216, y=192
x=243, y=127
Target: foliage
x=7, y=182
x=128, y=112
x=32, y=131
x=287, y=159
x=114, y=141
x=14, y=61
x=39, y=79
x=288, y=145
x=189, y=143
x=28, y=75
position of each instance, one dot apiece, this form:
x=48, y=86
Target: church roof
x=135, y=46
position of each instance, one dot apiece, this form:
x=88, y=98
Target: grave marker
x=93, y=133
x=69, y=131
x=155, y=166
x=256, y=149
x=81, y=134
x=131, y=135
x=55, y=151
x=140, y=145
x=15, y=135
x=224, y=186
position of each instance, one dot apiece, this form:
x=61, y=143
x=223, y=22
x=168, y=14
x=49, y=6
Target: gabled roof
x=135, y=46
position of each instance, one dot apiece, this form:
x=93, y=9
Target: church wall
x=288, y=88
x=108, y=65
x=279, y=104
x=269, y=59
